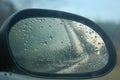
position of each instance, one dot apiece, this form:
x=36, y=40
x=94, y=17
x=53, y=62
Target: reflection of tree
x=50, y=61
x=6, y=9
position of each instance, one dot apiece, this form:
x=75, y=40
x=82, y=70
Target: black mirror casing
x=7, y=61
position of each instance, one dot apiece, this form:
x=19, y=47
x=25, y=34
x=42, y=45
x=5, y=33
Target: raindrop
x=5, y=74
x=91, y=37
x=61, y=42
x=26, y=24
x=24, y=34
x=32, y=21
x=19, y=31
x=88, y=38
x=99, y=43
x=80, y=25
x=24, y=44
x=95, y=36
x=45, y=42
x=89, y=64
x=23, y=30
x=38, y=65
x=23, y=38
x=81, y=36
x=27, y=35
x=35, y=20
x=62, y=23
x=103, y=43
x=90, y=32
x=41, y=26
x=96, y=49
x=105, y=54
x=50, y=37
x=16, y=34
x=25, y=49
x=30, y=27
x=50, y=26
x=94, y=65
x=26, y=40
x=94, y=41
x=86, y=31
x=36, y=49
x=43, y=19
x=10, y=74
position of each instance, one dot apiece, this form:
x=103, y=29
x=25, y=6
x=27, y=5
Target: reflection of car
x=26, y=48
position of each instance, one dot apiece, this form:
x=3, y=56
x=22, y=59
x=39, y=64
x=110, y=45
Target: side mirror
x=55, y=44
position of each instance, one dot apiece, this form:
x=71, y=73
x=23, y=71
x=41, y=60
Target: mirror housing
x=10, y=61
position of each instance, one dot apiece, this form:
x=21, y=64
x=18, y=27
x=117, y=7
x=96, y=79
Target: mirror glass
x=53, y=45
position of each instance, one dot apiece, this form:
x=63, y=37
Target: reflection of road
x=94, y=63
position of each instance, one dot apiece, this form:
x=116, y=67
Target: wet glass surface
x=57, y=46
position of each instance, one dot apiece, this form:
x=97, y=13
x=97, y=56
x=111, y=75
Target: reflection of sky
x=93, y=9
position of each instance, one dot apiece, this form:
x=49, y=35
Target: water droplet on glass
x=94, y=41
x=90, y=32
x=89, y=64
x=105, y=54
x=94, y=65
x=99, y=43
x=91, y=37
x=35, y=20
x=23, y=30
x=61, y=42
x=32, y=21
x=37, y=65
x=62, y=23
x=25, y=49
x=35, y=49
x=23, y=38
x=19, y=31
x=50, y=37
x=10, y=74
x=41, y=26
x=80, y=25
x=50, y=26
x=5, y=74
x=16, y=34
x=95, y=36
x=81, y=36
x=26, y=24
x=24, y=44
x=45, y=42
x=24, y=34
x=96, y=49
x=86, y=31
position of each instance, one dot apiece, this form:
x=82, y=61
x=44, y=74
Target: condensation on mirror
x=56, y=45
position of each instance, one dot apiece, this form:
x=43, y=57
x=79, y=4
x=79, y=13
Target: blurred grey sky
x=103, y=10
